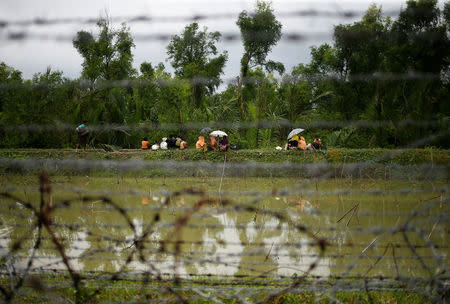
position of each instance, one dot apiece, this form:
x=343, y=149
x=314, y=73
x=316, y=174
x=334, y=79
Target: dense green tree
x=147, y=69
x=192, y=56
x=260, y=32
x=376, y=69
x=43, y=100
x=296, y=94
x=10, y=98
x=107, y=57
x=8, y=78
x=419, y=43
x=360, y=51
x=145, y=95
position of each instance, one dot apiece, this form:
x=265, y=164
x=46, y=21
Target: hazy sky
x=34, y=55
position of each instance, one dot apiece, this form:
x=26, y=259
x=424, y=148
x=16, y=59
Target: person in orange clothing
x=302, y=143
x=144, y=144
x=201, y=144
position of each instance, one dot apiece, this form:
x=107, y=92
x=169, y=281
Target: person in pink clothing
x=212, y=144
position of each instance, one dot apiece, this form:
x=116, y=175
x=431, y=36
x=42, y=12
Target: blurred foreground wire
x=162, y=243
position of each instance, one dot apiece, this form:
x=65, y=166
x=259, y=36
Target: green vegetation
x=260, y=32
x=125, y=291
x=335, y=156
x=378, y=162
x=74, y=213
x=376, y=69
x=189, y=55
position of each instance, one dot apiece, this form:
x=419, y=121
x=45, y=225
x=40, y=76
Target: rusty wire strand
x=136, y=244
x=143, y=18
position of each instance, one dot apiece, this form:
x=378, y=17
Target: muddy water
x=252, y=226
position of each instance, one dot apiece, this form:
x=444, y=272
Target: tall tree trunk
x=379, y=115
x=243, y=77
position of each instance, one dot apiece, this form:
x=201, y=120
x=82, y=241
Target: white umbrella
x=295, y=132
x=218, y=133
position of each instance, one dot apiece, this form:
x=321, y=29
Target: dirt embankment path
x=383, y=156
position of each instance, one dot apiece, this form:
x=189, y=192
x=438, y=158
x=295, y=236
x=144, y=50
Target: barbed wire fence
x=194, y=243
x=343, y=14
x=19, y=30
x=166, y=256
x=149, y=247
x=327, y=254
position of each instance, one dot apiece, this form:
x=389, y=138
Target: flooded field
x=189, y=226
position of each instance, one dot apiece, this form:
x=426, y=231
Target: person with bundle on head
x=83, y=132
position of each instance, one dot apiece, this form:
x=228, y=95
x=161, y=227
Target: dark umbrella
x=206, y=130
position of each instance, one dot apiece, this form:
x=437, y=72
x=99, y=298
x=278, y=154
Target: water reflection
x=261, y=240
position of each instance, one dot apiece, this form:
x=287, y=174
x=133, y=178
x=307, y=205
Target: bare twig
x=350, y=210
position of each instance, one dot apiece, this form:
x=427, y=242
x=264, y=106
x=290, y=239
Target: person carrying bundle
x=83, y=132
